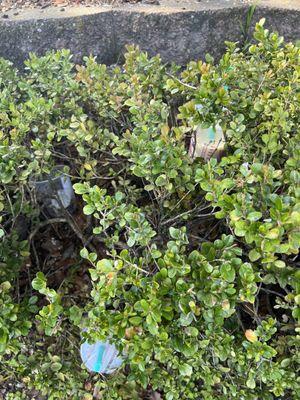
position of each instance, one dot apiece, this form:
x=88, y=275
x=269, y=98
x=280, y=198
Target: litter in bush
x=101, y=357
x=54, y=191
x=207, y=143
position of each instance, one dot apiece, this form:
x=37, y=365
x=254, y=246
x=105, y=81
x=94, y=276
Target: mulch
x=7, y=5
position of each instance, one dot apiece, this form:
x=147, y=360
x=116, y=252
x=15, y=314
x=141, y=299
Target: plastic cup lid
x=101, y=357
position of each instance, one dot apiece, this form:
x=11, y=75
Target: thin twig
x=272, y=292
x=182, y=83
x=252, y=313
x=45, y=223
x=195, y=209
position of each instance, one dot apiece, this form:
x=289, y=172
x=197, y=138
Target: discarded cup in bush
x=54, y=191
x=207, y=143
x=101, y=357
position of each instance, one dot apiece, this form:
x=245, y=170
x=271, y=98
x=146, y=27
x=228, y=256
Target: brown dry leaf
x=88, y=386
x=129, y=333
x=225, y=305
x=251, y=335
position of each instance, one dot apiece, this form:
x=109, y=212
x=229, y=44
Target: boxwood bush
x=188, y=267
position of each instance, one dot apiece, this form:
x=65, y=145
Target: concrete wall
x=178, y=33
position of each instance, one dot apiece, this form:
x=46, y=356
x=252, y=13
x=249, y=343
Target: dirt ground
x=6, y=5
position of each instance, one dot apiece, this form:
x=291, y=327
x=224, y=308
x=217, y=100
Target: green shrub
x=189, y=267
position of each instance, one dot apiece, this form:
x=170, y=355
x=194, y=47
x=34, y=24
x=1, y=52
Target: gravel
x=7, y=5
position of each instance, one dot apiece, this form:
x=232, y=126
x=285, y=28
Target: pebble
x=5, y=16
x=153, y=2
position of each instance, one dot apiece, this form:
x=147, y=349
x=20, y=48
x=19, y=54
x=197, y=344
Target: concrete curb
x=178, y=35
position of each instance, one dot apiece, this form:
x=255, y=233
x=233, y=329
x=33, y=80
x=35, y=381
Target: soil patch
x=6, y=5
